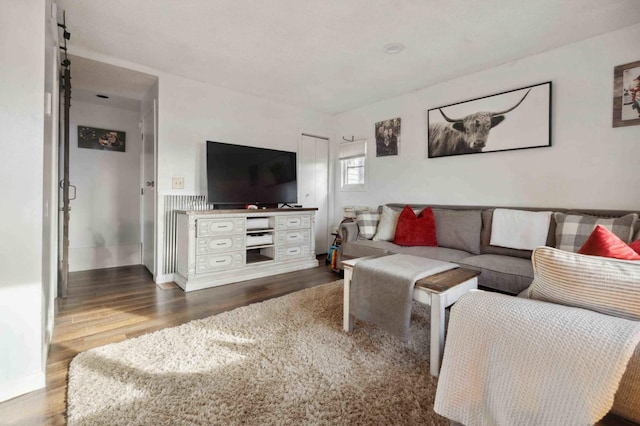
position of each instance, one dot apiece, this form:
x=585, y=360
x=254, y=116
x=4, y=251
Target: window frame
x=349, y=151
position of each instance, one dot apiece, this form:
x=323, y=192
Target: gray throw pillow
x=458, y=229
x=573, y=229
x=367, y=223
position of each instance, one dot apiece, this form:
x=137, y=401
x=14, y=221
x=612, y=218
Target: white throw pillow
x=605, y=285
x=387, y=225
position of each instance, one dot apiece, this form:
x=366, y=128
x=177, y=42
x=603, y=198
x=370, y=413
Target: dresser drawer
x=292, y=252
x=293, y=237
x=293, y=222
x=219, y=262
x=208, y=245
x=207, y=227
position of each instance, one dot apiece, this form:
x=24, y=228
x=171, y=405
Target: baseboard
x=164, y=278
x=21, y=386
x=88, y=258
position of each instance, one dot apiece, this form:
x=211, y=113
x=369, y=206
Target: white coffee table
x=438, y=291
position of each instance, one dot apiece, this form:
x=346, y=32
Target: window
x=352, y=157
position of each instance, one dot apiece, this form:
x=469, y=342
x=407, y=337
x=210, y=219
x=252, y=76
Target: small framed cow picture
x=516, y=119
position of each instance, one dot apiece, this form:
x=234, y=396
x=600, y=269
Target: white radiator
x=171, y=204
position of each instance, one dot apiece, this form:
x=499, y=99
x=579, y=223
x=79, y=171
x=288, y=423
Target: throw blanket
x=514, y=361
x=382, y=289
x=519, y=229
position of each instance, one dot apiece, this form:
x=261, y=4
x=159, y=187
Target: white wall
x=590, y=165
x=50, y=177
x=22, y=76
x=191, y=113
x=104, y=230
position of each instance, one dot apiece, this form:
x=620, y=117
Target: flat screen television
x=238, y=175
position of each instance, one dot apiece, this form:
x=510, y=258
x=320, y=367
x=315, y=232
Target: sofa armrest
x=515, y=326
x=348, y=231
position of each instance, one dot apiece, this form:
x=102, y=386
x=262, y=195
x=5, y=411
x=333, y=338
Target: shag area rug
x=282, y=361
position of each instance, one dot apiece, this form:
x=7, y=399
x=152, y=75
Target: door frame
x=153, y=108
x=330, y=172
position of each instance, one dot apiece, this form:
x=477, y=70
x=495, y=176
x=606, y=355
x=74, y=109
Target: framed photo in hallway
x=516, y=119
x=626, y=94
x=104, y=139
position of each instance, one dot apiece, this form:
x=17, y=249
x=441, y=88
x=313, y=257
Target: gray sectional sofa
x=463, y=234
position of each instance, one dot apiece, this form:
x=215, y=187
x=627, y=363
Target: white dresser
x=217, y=247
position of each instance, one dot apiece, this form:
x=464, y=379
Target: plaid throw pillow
x=573, y=230
x=367, y=224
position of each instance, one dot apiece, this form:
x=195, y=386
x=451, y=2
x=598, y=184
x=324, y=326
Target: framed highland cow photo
x=516, y=119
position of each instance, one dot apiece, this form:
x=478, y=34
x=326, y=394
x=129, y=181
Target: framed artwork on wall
x=103, y=139
x=516, y=119
x=626, y=94
x=387, y=137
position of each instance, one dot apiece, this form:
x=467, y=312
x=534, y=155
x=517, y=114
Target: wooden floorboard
x=110, y=305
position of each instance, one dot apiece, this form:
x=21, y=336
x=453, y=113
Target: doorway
x=106, y=217
x=313, y=184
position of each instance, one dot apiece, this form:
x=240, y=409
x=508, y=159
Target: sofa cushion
x=608, y=286
x=361, y=248
x=415, y=230
x=485, y=238
x=573, y=229
x=459, y=229
x=387, y=225
x=437, y=253
x=367, y=223
x=504, y=273
x=603, y=242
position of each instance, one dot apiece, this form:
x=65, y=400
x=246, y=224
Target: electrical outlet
x=177, y=183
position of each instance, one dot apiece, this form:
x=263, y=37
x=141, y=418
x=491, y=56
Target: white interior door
x=313, y=184
x=149, y=189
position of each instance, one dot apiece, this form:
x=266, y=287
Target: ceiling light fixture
x=393, y=48
x=103, y=96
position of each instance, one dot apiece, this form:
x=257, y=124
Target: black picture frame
x=506, y=121
x=102, y=139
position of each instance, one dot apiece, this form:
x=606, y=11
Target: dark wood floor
x=110, y=305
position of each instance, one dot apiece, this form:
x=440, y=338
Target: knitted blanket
x=382, y=289
x=514, y=361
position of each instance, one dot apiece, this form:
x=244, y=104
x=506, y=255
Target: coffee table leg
x=437, y=333
x=347, y=318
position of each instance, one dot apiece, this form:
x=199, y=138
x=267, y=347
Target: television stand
x=218, y=247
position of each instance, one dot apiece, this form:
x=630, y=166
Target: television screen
x=238, y=174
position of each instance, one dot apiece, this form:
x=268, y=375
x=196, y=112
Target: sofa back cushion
x=574, y=229
x=485, y=238
x=605, y=285
x=459, y=229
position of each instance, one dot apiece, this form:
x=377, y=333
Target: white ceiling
x=327, y=54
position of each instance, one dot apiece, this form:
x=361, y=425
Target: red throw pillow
x=415, y=230
x=605, y=243
x=635, y=246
